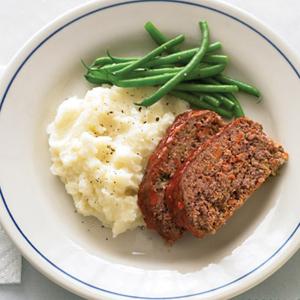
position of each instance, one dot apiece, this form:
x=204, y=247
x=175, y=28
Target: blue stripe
x=90, y=13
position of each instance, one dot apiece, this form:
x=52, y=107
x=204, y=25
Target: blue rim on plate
x=93, y=12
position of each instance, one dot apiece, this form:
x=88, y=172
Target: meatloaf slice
x=188, y=131
x=219, y=177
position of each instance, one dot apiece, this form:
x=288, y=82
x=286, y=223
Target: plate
x=76, y=252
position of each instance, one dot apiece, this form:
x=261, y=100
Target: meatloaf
x=219, y=177
x=184, y=136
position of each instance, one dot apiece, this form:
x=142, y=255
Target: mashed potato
x=100, y=146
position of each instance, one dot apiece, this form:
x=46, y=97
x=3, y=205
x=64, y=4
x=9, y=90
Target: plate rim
x=39, y=260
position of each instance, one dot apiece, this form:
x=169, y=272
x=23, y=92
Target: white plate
x=38, y=214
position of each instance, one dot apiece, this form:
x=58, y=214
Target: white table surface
x=20, y=19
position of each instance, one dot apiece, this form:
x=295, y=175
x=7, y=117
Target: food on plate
x=184, y=136
x=158, y=37
x=221, y=175
x=195, y=73
x=132, y=152
x=100, y=145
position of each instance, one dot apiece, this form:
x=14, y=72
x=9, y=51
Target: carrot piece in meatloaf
x=219, y=177
x=184, y=136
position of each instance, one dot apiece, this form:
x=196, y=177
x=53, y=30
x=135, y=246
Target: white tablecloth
x=20, y=19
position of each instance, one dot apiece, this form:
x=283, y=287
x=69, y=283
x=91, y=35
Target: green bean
x=162, y=78
x=144, y=81
x=88, y=68
x=181, y=56
x=115, y=66
x=238, y=110
x=158, y=37
x=185, y=72
x=101, y=61
x=196, y=101
x=109, y=59
x=105, y=60
x=141, y=62
x=157, y=79
x=185, y=56
x=209, y=58
x=200, y=72
x=249, y=89
x=118, y=59
x=206, y=88
x=210, y=100
x=118, y=66
x=94, y=80
x=206, y=71
x=211, y=81
x=153, y=72
x=216, y=58
x=225, y=101
x=214, y=46
x=142, y=78
x=172, y=58
x=99, y=76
